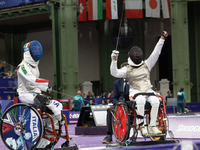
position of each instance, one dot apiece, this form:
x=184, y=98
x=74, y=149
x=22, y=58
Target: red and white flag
x=152, y=8
x=165, y=8
x=82, y=10
x=133, y=9
x=95, y=9
x=111, y=9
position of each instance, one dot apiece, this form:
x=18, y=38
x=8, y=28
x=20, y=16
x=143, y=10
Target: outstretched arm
x=156, y=52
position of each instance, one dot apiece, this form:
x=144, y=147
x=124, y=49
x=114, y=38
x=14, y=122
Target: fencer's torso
x=138, y=78
x=24, y=85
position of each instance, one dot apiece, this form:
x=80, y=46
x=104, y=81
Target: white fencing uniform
x=29, y=83
x=139, y=80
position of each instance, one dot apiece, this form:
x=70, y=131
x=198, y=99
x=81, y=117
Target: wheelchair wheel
x=121, y=123
x=21, y=127
x=48, y=131
x=161, y=124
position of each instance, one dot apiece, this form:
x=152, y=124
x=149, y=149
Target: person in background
x=14, y=74
x=168, y=96
x=2, y=67
x=83, y=95
x=90, y=103
x=181, y=102
x=8, y=97
x=90, y=95
x=109, y=102
x=0, y=98
x=110, y=94
x=8, y=74
x=78, y=101
x=71, y=105
x=103, y=95
x=103, y=102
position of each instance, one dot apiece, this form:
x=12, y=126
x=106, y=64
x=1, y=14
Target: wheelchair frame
x=121, y=122
x=17, y=120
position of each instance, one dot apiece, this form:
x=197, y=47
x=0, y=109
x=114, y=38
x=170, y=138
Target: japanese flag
x=152, y=8
x=82, y=10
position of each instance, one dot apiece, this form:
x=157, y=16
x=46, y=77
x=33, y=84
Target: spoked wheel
x=120, y=123
x=161, y=124
x=21, y=127
x=48, y=131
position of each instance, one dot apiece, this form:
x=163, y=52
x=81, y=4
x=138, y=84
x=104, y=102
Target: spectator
x=78, y=101
x=103, y=102
x=72, y=105
x=168, y=96
x=14, y=74
x=109, y=102
x=90, y=103
x=110, y=94
x=181, y=101
x=0, y=98
x=103, y=95
x=2, y=67
x=83, y=95
x=8, y=97
x=90, y=95
x=8, y=74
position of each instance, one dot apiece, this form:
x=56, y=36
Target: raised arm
x=114, y=71
x=156, y=52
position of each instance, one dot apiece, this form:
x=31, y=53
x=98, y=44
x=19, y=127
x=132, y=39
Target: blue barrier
x=95, y=100
x=5, y=104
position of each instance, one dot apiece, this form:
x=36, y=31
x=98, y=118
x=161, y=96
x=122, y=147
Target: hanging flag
x=133, y=9
x=111, y=9
x=165, y=8
x=152, y=8
x=82, y=10
x=95, y=9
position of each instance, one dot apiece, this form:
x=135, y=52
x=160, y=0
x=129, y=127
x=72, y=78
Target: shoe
x=154, y=130
x=107, y=139
x=144, y=130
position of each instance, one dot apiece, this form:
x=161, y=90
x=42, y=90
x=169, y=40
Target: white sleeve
x=42, y=84
x=150, y=62
x=115, y=72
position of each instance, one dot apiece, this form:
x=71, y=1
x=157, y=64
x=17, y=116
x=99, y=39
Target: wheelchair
x=23, y=127
x=124, y=119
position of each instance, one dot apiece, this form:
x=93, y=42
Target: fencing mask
x=136, y=55
x=35, y=49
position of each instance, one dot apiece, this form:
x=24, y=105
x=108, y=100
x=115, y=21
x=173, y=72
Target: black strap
x=148, y=94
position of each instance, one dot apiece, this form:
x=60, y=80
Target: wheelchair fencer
x=124, y=118
x=24, y=127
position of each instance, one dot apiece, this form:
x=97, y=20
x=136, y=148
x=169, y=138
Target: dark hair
x=182, y=89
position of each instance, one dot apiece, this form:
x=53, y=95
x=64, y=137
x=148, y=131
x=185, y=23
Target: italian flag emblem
x=95, y=9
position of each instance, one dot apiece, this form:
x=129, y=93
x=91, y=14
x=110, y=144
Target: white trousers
x=140, y=103
x=29, y=97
